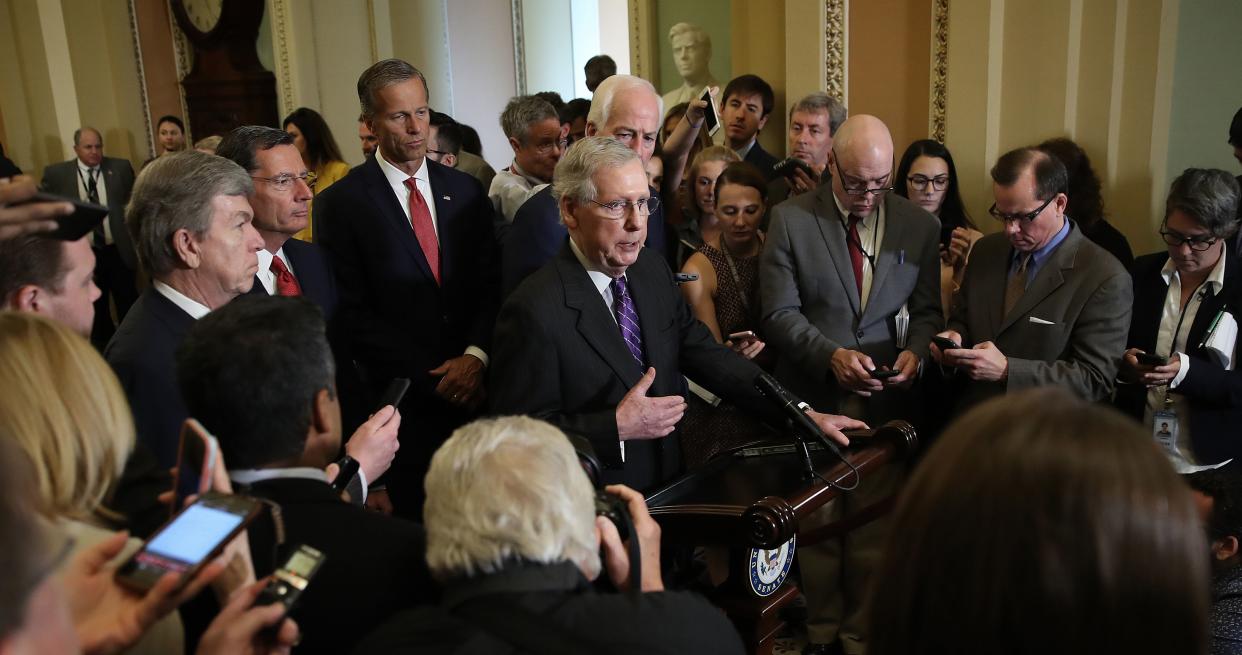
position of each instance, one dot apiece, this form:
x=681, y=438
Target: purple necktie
x=627, y=318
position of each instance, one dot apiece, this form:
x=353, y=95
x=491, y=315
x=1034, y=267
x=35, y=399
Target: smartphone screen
x=189, y=540
x=711, y=119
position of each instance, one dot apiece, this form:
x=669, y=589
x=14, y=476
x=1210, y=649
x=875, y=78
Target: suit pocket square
x=1039, y=321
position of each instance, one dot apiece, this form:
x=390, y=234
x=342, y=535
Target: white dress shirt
x=84, y=174
x=396, y=179
x=511, y=188
x=870, y=236
x=1175, y=322
x=265, y=274
x=251, y=476
x=195, y=309
x=603, y=284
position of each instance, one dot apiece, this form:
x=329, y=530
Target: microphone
x=768, y=386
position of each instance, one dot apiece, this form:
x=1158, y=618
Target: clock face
x=204, y=14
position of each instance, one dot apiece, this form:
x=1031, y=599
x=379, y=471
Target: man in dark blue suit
x=411, y=245
x=624, y=107
x=747, y=103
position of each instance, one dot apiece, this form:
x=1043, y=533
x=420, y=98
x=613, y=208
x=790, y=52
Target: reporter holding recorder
x=512, y=533
x=1180, y=366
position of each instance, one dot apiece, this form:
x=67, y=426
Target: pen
x=1207, y=336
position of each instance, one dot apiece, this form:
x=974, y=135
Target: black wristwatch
x=347, y=479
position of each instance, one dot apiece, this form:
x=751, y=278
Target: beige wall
x=889, y=64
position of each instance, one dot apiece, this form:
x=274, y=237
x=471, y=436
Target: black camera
x=612, y=507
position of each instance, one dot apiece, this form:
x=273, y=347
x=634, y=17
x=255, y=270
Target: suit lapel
x=380, y=193
x=884, y=259
x=594, y=323
x=828, y=219
x=1148, y=307
x=1049, y=278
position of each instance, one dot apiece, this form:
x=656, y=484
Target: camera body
x=614, y=509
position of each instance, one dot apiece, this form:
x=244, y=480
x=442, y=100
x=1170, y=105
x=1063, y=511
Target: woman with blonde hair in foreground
x=1038, y=524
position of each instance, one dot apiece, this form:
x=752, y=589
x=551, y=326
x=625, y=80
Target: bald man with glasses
x=1040, y=304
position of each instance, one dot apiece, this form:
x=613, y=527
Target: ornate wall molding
x=142, y=77
x=519, y=47
x=280, y=44
x=835, y=36
x=939, y=68
x=184, y=62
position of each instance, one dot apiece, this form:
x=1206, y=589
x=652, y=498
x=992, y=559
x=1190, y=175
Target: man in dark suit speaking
x=411, y=244
x=596, y=341
x=108, y=181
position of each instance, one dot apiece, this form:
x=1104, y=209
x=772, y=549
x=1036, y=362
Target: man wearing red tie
x=411, y=245
x=281, y=197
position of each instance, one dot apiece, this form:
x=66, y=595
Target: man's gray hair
x=505, y=490
x=77, y=135
x=174, y=192
x=700, y=35
x=602, y=101
x=575, y=172
x=521, y=113
x=382, y=74
x=820, y=102
x=1209, y=196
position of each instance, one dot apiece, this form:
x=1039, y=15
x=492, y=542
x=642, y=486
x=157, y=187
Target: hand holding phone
x=884, y=374
x=945, y=343
x=746, y=335
x=711, y=117
x=290, y=580
x=1151, y=359
x=196, y=463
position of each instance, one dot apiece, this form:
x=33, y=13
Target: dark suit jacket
x=762, y=159
x=1104, y=235
x=663, y=622
x=1069, y=327
x=1213, y=394
x=314, y=274
x=375, y=566
x=118, y=180
x=536, y=235
x=560, y=357
x=142, y=352
x=398, y=321
x=811, y=303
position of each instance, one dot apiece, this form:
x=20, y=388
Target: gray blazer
x=118, y=179
x=811, y=304
x=1068, y=329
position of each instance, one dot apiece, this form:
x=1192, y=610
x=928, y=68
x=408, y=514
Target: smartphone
x=348, y=471
x=945, y=343
x=194, y=537
x=196, y=463
x=394, y=393
x=789, y=165
x=1151, y=359
x=748, y=335
x=885, y=374
x=710, y=115
x=85, y=217
x=289, y=581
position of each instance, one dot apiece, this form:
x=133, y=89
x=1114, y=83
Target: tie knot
x=854, y=220
x=278, y=266
x=619, y=287
x=411, y=183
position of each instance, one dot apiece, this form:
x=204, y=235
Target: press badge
x=1164, y=429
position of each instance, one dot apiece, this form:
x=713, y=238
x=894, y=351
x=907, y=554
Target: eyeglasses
x=920, y=182
x=1027, y=216
x=1196, y=243
x=283, y=181
x=547, y=148
x=857, y=187
x=618, y=208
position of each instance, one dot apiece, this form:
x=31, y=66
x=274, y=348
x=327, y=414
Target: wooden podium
x=752, y=500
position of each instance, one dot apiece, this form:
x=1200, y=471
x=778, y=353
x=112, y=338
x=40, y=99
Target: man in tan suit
x=1041, y=304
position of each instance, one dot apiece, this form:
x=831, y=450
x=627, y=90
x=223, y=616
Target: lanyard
x=737, y=279
x=1196, y=296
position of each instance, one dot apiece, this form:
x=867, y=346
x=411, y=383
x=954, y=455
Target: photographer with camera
x=513, y=534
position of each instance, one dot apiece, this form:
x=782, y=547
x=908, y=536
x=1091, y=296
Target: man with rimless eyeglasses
x=1040, y=304
x=597, y=340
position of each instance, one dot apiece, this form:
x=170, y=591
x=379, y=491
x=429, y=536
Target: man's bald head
x=862, y=152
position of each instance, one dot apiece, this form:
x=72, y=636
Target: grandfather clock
x=227, y=86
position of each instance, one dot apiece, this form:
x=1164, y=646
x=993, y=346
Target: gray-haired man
x=537, y=137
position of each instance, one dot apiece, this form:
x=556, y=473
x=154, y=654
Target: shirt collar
x=195, y=309
x=84, y=168
x=396, y=176
x=265, y=258
x=517, y=170
x=1215, y=280
x=251, y=476
x=1038, y=256
x=745, y=150
x=867, y=221
x=600, y=279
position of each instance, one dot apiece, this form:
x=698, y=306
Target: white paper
x=1183, y=467
x=711, y=398
x=1221, y=341
x=902, y=321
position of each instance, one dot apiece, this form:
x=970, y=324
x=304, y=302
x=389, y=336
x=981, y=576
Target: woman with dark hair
x=725, y=297
x=927, y=176
x=169, y=136
x=1040, y=523
x=1086, y=205
x=319, y=151
x=1186, y=380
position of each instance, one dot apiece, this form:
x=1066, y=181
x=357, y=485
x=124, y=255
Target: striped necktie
x=627, y=318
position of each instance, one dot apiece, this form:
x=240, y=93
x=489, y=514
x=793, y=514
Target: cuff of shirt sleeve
x=362, y=478
x=478, y=353
x=1182, y=370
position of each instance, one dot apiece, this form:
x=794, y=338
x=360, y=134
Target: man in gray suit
x=92, y=177
x=1042, y=304
x=841, y=263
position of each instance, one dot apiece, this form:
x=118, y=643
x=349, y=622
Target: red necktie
x=424, y=231
x=286, y=284
x=856, y=254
